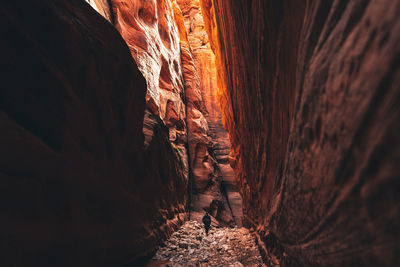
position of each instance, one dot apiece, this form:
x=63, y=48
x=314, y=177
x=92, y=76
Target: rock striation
x=150, y=31
x=80, y=185
x=309, y=92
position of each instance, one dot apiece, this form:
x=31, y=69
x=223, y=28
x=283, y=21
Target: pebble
x=190, y=247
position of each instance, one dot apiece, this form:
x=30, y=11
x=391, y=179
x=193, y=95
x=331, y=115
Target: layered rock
x=309, y=94
x=156, y=36
x=202, y=164
x=78, y=185
x=222, y=200
x=150, y=31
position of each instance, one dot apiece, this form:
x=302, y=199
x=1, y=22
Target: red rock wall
x=201, y=162
x=150, y=31
x=78, y=186
x=310, y=96
x=155, y=33
x=156, y=36
x=222, y=200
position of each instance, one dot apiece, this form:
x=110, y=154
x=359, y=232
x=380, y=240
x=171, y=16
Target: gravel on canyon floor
x=222, y=247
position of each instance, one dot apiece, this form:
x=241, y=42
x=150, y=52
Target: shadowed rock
x=78, y=188
x=310, y=97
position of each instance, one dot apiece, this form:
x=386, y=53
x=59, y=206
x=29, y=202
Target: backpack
x=207, y=219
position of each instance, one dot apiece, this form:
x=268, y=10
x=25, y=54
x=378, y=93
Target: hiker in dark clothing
x=207, y=222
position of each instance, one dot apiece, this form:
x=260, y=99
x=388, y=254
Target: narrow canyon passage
x=214, y=189
x=180, y=72
x=124, y=121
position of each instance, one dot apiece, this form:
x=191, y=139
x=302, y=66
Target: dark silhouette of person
x=207, y=222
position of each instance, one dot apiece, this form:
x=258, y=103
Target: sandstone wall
x=151, y=33
x=222, y=198
x=156, y=36
x=310, y=97
x=78, y=186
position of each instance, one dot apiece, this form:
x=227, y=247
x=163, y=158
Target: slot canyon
x=124, y=121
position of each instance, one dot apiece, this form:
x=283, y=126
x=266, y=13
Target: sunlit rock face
x=150, y=31
x=310, y=96
x=79, y=184
x=222, y=198
x=203, y=171
x=156, y=35
x=102, y=7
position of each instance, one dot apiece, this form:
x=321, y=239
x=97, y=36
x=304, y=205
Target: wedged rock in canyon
x=78, y=185
x=310, y=96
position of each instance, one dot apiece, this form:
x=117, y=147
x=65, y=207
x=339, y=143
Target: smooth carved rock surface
x=77, y=185
x=156, y=35
x=151, y=33
x=223, y=199
x=149, y=29
x=204, y=187
x=310, y=97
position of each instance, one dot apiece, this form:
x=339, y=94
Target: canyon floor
x=222, y=247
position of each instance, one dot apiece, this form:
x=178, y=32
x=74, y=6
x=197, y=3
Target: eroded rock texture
x=156, y=36
x=202, y=163
x=310, y=97
x=78, y=186
x=217, y=193
x=150, y=31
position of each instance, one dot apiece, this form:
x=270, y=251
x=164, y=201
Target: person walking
x=207, y=222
